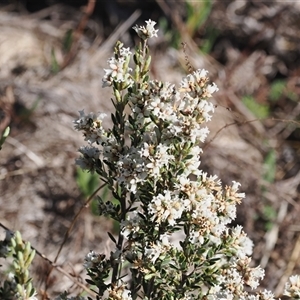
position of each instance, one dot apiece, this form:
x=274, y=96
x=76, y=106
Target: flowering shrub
x=174, y=240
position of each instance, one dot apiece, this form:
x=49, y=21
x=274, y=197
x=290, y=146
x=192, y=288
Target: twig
x=248, y=115
x=222, y=128
x=6, y=174
x=271, y=236
x=31, y=155
x=66, y=236
x=78, y=33
x=290, y=267
x=246, y=122
x=75, y=219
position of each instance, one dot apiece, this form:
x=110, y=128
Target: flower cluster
x=174, y=240
x=119, y=69
x=292, y=288
x=146, y=32
x=119, y=292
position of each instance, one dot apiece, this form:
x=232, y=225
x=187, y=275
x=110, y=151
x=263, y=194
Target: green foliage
x=269, y=215
x=171, y=35
x=4, y=135
x=87, y=182
x=261, y=111
x=197, y=14
x=269, y=173
x=209, y=39
x=19, y=286
x=67, y=41
x=269, y=166
x=279, y=89
x=55, y=68
x=66, y=47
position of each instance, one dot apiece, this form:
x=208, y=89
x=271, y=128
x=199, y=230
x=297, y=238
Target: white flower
x=125, y=51
x=118, y=69
x=131, y=225
x=106, y=208
x=199, y=134
x=266, y=295
x=254, y=275
x=205, y=108
x=119, y=292
x=292, y=288
x=167, y=207
x=131, y=169
x=235, y=185
x=70, y=298
x=165, y=239
x=91, y=259
x=116, y=72
x=158, y=160
x=150, y=27
x=146, y=32
x=153, y=251
x=200, y=73
x=222, y=295
x=91, y=125
x=88, y=158
x=151, y=156
x=250, y=297
x=195, y=237
x=90, y=120
x=211, y=88
x=240, y=242
x=233, y=280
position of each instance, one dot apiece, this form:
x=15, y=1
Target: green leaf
x=87, y=182
x=149, y=276
x=30, y=258
x=90, y=281
x=189, y=157
x=209, y=39
x=55, y=68
x=67, y=41
x=261, y=111
x=197, y=14
x=269, y=212
x=4, y=136
x=277, y=89
x=269, y=167
x=112, y=237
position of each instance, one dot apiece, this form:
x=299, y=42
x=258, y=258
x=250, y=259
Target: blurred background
x=52, y=55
